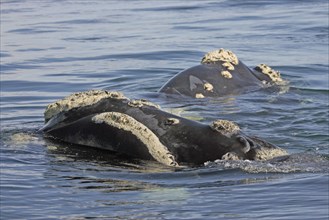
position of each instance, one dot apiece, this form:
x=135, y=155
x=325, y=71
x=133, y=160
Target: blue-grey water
x=52, y=48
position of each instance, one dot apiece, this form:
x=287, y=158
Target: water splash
x=299, y=162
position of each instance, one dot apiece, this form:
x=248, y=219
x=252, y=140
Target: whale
x=221, y=73
x=141, y=129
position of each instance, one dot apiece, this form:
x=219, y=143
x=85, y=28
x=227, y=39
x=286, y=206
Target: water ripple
x=52, y=48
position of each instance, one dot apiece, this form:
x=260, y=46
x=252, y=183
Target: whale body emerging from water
x=221, y=73
x=138, y=128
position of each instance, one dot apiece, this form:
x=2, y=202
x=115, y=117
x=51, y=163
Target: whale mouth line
x=249, y=144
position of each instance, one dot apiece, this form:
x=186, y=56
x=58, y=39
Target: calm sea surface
x=52, y=48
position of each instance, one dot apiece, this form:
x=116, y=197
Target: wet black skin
x=190, y=82
x=189, y=141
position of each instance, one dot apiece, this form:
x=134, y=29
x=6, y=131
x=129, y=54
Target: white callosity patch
x=226, y=74
x=199, y=96
x=220, y=55
x=273, y=74
x=79, y=99
x=225, y=127
x=269, y=153
x=172, y=121
x=228, y=66
x=208, y=87
x=228, y=58
x=141, y=132
x=141, y=102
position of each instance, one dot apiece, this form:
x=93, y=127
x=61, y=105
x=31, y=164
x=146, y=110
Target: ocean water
x=52, y=48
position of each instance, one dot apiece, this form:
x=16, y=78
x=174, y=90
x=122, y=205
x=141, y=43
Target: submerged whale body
x=138, y=128
x=220, y=73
